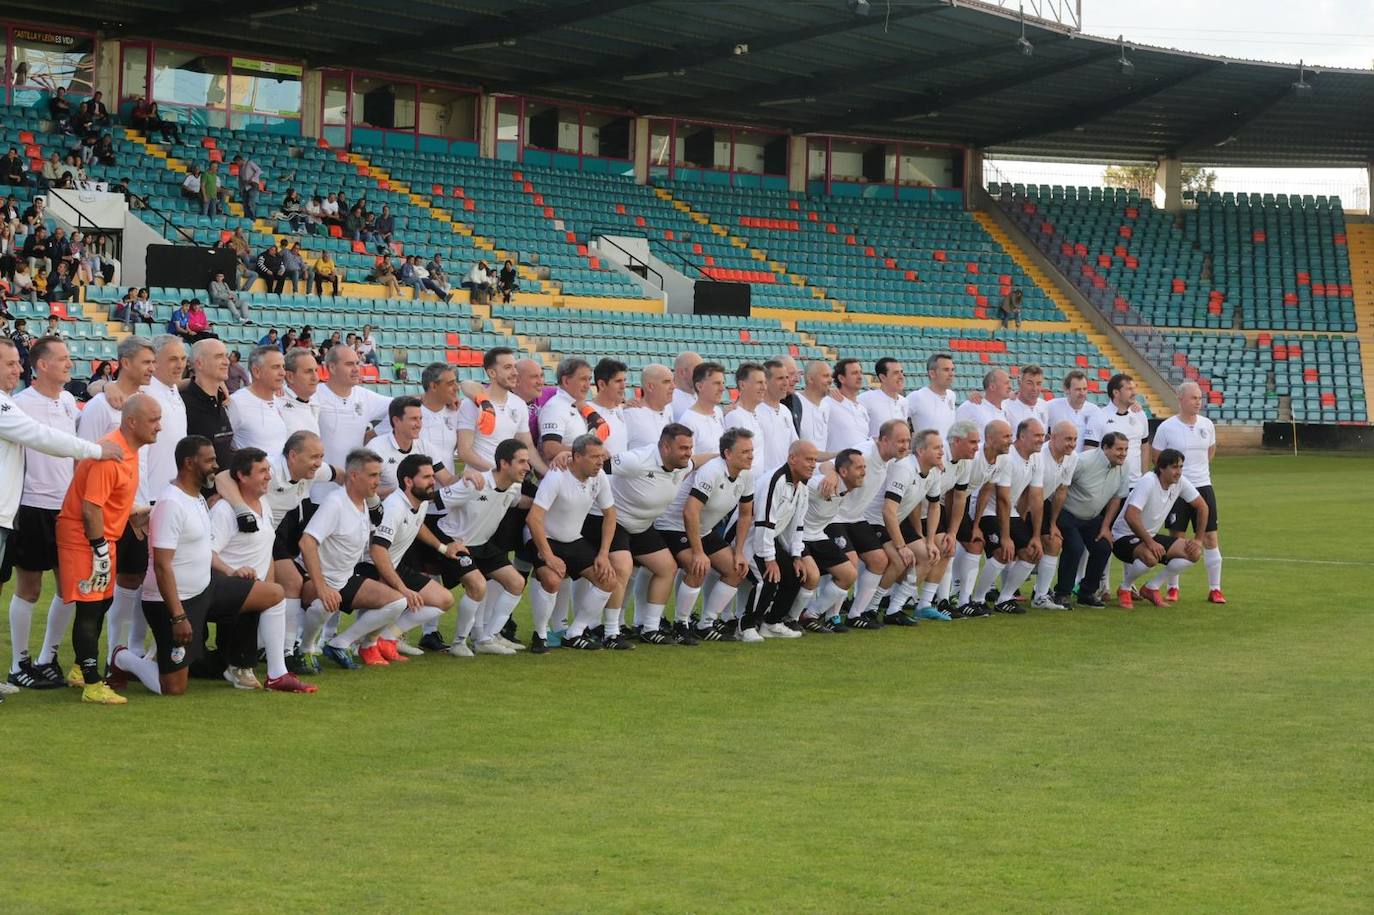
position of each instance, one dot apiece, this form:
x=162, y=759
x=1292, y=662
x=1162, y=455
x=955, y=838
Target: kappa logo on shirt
x=358, y=409
x=4, y=408
x=481, y=498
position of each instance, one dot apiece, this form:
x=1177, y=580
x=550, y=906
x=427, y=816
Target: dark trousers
x=275, y=284
x=86, y=626
x=1080, y=536
x=771, y=600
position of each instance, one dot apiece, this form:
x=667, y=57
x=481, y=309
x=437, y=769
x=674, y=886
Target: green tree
x=1142, y=178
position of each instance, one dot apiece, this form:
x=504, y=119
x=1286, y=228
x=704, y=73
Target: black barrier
x=191, y=267
x=1316, y=437
x=716, y=298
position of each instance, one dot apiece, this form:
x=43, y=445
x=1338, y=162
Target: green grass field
x=1195, y=758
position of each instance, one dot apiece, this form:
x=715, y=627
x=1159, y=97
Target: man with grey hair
x=296, y=404
x=566, y=415
x=646, y=418
x=206, y=398
x=1193, y=434
x=101, y=415
x=1057, y=462
x=933, y=406
x=253, y=409
x=684, y=394
x=984, y=409
x=347, y=410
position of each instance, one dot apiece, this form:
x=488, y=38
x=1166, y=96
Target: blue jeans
x=1080, y=536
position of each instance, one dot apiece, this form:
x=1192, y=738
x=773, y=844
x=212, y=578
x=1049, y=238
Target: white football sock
x=686, y=600
x=946, y=582
x=21, y=623
x=827, y=597
x=331, y=625
x=409, y=620
x=60, y=617
x=1013, y=577
x=1173, y=582
x=272, y=631
x=991, y=569
x=588, y=612
x=368, y=623
x=484, y=625
x=1134, y=570
x=467, y=615
x=126, y=604
x=966, y=571
x=902, y=591
x=312, y=625
x=541, y=608
x=928, y=594
x=878, y=596
x=138, y=627
x=651, y=617
x=1174, y=567
x=640, y=594
x=803, y=598
x=562, y=606
x=1212, y=559
x=1044, y=575
x=145, y=668
x=714, y=603
x=295, y=621
x=736, y=609
x=863, y=591
x=505, y=606
x=610, y=621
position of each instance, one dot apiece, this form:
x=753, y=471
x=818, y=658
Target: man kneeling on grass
x=1134, y=539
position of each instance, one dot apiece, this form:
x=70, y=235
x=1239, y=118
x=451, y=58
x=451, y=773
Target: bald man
x=1058, y=460
x=684, y=393
x=985, y=465
x=815, y=406
x=646, y=415
x=983, y=410
x=778, y=564
x=1194, y=435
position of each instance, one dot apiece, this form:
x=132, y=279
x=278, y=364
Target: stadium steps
x=173, y=164
x=757, y=254
x=1076, y=319
x=1360, y=237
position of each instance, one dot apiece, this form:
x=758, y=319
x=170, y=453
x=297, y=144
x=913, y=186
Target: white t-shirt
x=1017, y=474
x=257, y=423
x=644, y=426
x=815, y=422
x=871, y=491
x=618, y=439
x=980, y=414
x=820, y=511
x=882, y=408
x=298, y=415
x=1056, y=474
x=157, y=460
x=642, y=488
x=473, y=515
x=1060, y=410
x=400, y=526
x=512, y=417
x=707, y=430
x=182, y=523
x=778, y=433
x=682, y=402
x=97, y=419
x=908, y=488
x=342, y=530
x=567, y=501
x=848, y=424
x=47, y=478
x=392, y=455
x=928, y=410
x=343, y=422
x=1016, y=413
x=740, y=418
x=1133, y=424
x=1154, y=502
x=560, y=419
x=285, y=495
x=237, y=549
x=981, y=473
x=1194, y=441
x=712, y=486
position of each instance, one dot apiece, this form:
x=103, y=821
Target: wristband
x=97, y=542
x=441, y=548
x=179, y=618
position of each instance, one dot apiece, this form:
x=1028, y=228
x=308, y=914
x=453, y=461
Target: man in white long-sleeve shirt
x=784, y=573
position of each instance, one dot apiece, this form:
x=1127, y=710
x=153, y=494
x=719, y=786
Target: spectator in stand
x=480, y=283
x=507, y=281
x=52, y=170
x=326, y=271
x=9, y=212
x=288, y=341
x=383, y=230
x=8, y=258
x=367, y=346
x=12, y=168
x=190, y=186
x=60, y=109
x=421, y=280
x=23, y=342
x=169, y=130
x=293, y=211
x=77, y=169
x=238, y=243
x=294, y=262
x=180, y=322
x=105, y=151
x=144, y=310
x=124, y=309
x=22, y=285
x=61, y=286
x=250, y=184
x=353, y=223
x=272, y=268
x=35, y=213
x=36, y=249
x=198, y=323
x=221, y=296
x=438, y=277
x=81, y=121
x=385, y=274
x=53, y=328
x=314, y=215
x=210, y=194
x=101, y=261
x=104, y=372
x=270, y=338
x=335, y=339
x=1010, y=308
x=329, y=211
x=238, y=373
x=100, y=115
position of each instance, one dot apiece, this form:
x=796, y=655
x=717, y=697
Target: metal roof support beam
x=930, y=102
x=1076, y=115
x=1221, y=127
x=199, y=15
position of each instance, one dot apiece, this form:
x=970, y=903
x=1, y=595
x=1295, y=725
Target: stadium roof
x=942, y=71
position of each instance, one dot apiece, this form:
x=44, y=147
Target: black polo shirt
x=208, y=415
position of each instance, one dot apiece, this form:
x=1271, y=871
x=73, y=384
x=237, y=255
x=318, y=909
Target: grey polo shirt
x=1095, y=482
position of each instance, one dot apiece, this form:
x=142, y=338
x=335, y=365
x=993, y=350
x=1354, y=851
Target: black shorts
x=1045, y=525
x=1181, y=516
x=287, y=544
x=33, y=545
x=1124, y=547
x=421, y=556
x=965, y=533
x=992, y=533
x=578, y=556
x=826, y=553
x=677, y=542
x=411, y=578
x=131, y=557
x=219, y=603
x=486, y=559
x=510, y=533
x=591, y=529
x=647, y=542
x=909, y=533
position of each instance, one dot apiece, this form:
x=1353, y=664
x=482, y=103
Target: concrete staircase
x=1360, y=238
x=1077, y=322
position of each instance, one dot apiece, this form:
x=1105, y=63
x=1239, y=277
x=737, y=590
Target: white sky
x=1333, y=33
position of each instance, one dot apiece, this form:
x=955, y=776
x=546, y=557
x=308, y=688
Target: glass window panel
x=335, y=86
x=264, y=87
x=660, y=148
x=190, y=78
x=607, y=135
x=46, y=59
x=382, y=103
x=135, y=70
x=448, y=113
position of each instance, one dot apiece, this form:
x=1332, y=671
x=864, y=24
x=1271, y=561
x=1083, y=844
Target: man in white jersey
x=816, y=405
x=472, y=519
x=863, y=521
x=251, y=470
x=1120, y=417
x=347, y=410
x=983, y=468
x=790, y=385
x=684, y=382
x=706, y=497
x=297, y=405
x=566, y=415
x=704, y=416
x=1028, y=404
x=653, y=409
x=910, y=541
x=751, y=382
x=996, y=390
x=1010, y=517
x=888, y=400
x=333, y=545
x=848, y=417
x=963, y=440
x=778, y=563
x=775, y=419
x=1193, y=434
x=1074, y=405
x=396, y=540
x=406, y=416
x=1097, y=489
x=253, y=409
x=556, y=523
x=608, y=376
x=1058, y=459
x=837, y=570
x=488, y=417
x=1135, y=541
x=187, y=586
x=933, y=406
x=32, y=549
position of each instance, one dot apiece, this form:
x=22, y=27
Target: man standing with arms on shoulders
x=888, y=400
x=684, y=383
x=347, y=409
x=1027, y=404
x=996, y=388
x=646, y=419
x=296, y=404
x=207, y=411
x=253, y=409
x=934, y=406
x=1119, y=417
x=1195, y=437
x=704, y=417
x=1074, y=405
x=776, y=427
x=815, y=407
x=848, y=418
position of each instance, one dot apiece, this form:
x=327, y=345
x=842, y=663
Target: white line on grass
x=1314, y=562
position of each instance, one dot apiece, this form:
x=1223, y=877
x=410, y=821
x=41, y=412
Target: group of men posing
x=817, y=503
